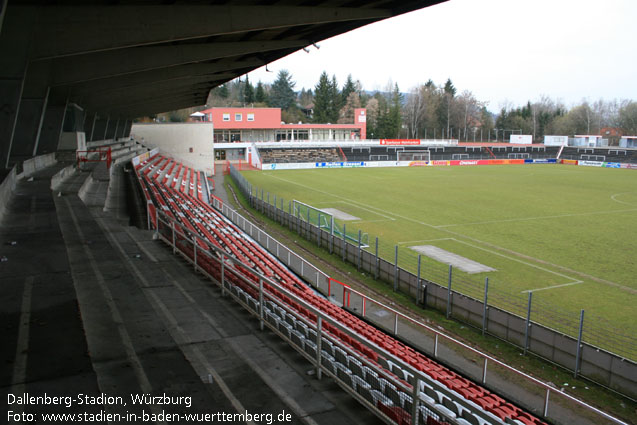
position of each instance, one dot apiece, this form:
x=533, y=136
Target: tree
x=347, y=112
x=627, y=119
x=282, y=94
x=372, y=118
x=260, y=95
x=337, y=101
x=415, y=110
x=248, y=92
x=445, y=106
x=348, y=88
x=326, y=100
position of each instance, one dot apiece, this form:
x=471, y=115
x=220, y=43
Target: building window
x=238, y=117
x=250, y=117
x=226, y=117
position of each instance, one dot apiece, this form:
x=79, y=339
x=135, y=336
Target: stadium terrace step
x=146, y=324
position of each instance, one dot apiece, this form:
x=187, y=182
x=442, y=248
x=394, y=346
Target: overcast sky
x=501, y=50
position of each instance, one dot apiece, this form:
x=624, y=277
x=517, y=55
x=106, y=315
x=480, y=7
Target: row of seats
x=198, y=218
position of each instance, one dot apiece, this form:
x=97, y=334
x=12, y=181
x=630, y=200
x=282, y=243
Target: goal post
x=325, y=220
x=312, y=215
x=414, y=155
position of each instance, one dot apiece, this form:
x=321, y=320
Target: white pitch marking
x=425, y=240
x=577, y=282
x=352, y=203
x=596, y=279
x=613, y=197
x=537, y=218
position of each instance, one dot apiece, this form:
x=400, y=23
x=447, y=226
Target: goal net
x=312, y=215
x=414, y=155
x=325, y=220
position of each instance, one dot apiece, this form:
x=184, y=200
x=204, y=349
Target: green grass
x=539, y=226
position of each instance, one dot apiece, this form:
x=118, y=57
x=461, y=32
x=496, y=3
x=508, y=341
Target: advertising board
x=569, y=161
x=590, y=163
x=399, y=142
x=540, y=161
x=612, y=165
x=632, y=166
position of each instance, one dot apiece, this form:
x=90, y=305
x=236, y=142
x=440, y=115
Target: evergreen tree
x=348, y=88
x=222, y=91
x=336, y=100
x=248, y=92
x=260, y=95
x=322, y=99
x=282, y=95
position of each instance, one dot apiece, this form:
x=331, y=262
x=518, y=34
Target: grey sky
x=501, y=50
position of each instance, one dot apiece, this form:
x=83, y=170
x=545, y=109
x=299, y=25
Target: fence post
x=318, y=231
x=223, y=284
x=449, y=293
x=395, y=268
x=261, y=303
x=415, y=401
x=298, y=221
x=418, y=282
x=319, y=339
x=344, y=249
x=578, y=356
x=546, y=402
x=528, y=323
x=156, y=223
x=172, y=225
x=194, y=252
x=358, y=262
x=377, y=265
x=484, y=305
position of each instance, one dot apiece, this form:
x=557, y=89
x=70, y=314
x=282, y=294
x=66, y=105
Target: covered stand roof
x=134, y=58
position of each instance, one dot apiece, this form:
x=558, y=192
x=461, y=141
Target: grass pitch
x=569, y=234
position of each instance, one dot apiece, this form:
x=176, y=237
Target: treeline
x=426, y=111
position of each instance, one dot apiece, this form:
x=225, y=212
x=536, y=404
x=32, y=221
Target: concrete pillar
x=53, y=121
x=116, y=129
x=108, y=122
x=120, y=128
x=99, y=129
x=127, y=127
x=14, y=45
x=3, y=8
x=28, y=128
x=111, y=128
x=89, y=125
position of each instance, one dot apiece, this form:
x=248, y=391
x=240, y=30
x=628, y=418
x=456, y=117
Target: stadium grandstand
x=133, y=292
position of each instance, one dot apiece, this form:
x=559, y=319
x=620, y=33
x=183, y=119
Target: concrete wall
x=178, y=139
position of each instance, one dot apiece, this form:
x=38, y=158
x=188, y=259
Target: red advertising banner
x=439, y=162
x=399, y=142
x=486, y=161
x=569, y=161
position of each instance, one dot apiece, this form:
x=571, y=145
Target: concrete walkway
x=93, y=307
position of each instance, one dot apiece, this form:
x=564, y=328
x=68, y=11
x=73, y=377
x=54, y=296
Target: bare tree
x=415, y=110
